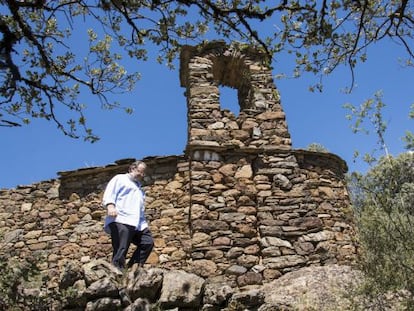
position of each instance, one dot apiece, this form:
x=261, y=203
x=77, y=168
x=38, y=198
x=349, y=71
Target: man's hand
x=111, y=210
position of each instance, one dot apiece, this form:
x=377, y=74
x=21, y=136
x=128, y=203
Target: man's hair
x=135, y=165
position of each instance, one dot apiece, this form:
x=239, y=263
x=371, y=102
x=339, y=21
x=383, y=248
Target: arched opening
x=233, y=79
x=229, y=99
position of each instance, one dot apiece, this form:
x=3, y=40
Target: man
x=125, y=220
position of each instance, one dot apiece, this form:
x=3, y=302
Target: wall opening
x=229, y=99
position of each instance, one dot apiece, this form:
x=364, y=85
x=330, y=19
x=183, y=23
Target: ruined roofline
x=301, y=154
x=217, y=47
x=123, y=163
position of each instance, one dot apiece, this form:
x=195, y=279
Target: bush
x=15, y=294
x=383, y=200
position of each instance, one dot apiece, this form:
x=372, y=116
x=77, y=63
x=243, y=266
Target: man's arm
x=111, y=209
x=109, y=197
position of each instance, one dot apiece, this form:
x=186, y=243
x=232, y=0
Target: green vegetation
x=15, y=294
x=383, y=201
x=368, y=118
x=317, y=147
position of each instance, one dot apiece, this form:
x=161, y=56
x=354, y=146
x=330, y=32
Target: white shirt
x=128, y=198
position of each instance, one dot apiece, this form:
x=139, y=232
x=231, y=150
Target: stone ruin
x=239, y=206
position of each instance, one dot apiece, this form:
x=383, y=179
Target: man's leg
x=121, y=239
x=144, y=242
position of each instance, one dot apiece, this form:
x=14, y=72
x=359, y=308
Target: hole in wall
x=229, y=99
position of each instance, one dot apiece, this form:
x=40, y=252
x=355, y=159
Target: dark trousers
x=122, y=236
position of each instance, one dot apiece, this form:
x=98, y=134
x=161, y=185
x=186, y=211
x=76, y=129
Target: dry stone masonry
x=240, y=206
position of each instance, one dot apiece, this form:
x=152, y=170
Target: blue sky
x=158, y=126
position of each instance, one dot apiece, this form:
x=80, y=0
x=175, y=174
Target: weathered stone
x=214, y=254
x=284, y=261
x=236, y=270
x=273, y=241
x=138, y=305
x=181, y=289
x=37, y=246
x=317, y=237
x=230, y=217
x=26, y=207
x=250, y=278
x=33, y=234
x=201, y=239
x=209, y=225
x=282, y=182
x=250, y=299
x=144, y=283
x=235, y=252
x=174, y=185
x=271, y=274
x=248, y=260
x=270, y=231
x=304, y=248
x=15, y=235
x=204, y=267
x=98, y=269
x=178, y=255
x=105, y=287
x=228, y=169
x=247, y=210
x=252, y=249
x=222, y=241
x=70, y=248
x=244, y=172
x=271, y=251
x=217, y=294
x=323, y=288
x=103, y=304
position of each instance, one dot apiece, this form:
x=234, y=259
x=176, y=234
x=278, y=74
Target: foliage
x=383, y=200
x=317, y=147
x=13, y=280
x=409, y=136
x=371, y=114
x=42, y=76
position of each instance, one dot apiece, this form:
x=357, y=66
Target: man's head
x=137, y=170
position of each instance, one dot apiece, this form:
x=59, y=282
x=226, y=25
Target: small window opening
x=229, y=99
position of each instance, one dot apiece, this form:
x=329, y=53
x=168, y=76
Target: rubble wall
x=239, y=206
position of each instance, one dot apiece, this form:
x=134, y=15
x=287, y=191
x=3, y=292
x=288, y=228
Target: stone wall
x=240, y=206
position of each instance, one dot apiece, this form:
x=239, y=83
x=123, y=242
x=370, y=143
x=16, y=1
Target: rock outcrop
x=323, y=288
